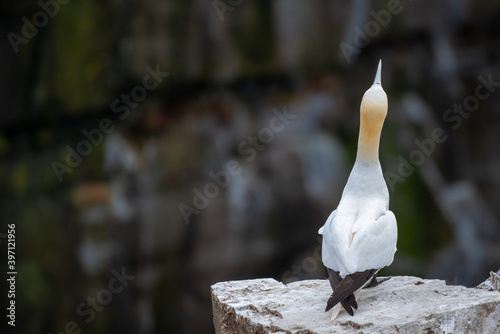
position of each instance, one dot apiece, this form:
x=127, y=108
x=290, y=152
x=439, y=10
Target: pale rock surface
x=492, y=283
x=401, y=305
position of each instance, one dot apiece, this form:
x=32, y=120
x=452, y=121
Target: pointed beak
x=378, y=76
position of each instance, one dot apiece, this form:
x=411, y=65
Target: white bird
x=359, y=237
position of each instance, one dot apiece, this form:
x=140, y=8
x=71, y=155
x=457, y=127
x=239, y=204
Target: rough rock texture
x=401, y=305
x=492, y=283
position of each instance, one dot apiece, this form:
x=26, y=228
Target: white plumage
x=361, y=233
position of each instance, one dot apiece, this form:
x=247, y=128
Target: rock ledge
x=403, y=304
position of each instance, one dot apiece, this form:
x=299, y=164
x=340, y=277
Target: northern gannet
x=359, y=237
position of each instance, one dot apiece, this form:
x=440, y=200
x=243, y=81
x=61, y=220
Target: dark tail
x=349, y=302
x=343, y=291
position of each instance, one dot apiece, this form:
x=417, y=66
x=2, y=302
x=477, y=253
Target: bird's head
x=374, y=103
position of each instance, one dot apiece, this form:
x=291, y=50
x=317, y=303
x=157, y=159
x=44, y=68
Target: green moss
x=81, y=45
x=252, y=34
x=411, y=229
x=32, y=284
x=252, y=31
x=33, y=293
x=420, y=232
x=19, y=179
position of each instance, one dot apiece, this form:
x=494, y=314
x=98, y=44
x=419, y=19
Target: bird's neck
x=369, y=138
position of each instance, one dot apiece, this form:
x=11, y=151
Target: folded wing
x=372, y=246
x=375, y=244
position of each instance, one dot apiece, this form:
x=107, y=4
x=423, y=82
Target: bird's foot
x=374, y=282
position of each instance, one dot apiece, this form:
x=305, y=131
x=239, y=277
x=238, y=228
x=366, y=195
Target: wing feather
x=371, y=247
x=375, y=244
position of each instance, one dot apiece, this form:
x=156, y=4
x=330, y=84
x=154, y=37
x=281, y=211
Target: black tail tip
x=329, y=305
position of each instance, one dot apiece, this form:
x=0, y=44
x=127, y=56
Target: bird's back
x=361, y=233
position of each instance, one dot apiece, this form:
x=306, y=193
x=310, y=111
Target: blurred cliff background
x=149, y=149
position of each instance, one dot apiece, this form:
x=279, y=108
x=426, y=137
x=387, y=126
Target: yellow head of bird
x=374, y=103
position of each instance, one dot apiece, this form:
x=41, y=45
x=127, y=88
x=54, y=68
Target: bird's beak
x=378, y=76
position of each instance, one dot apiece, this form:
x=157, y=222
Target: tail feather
x=343, y=291
x=349, y=303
